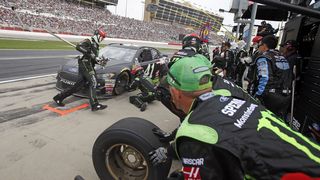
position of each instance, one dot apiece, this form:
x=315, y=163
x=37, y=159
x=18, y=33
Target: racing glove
x=102, y=61
x=162, y=93
x=164, y=137
x=158, y=156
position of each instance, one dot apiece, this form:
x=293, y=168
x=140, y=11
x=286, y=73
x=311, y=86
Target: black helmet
x=191, y=40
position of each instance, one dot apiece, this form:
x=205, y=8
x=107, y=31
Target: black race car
x=114, y=78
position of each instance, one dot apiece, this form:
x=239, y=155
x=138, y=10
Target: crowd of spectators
x=73, y=17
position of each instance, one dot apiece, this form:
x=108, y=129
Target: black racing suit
x=229, y=57
x=220, y=86
x=228, y=138
x=186, y=52
x=215, y=53
x=204, y=50
x=240, y=66
x=87, y=72
x=252, y=72
x=273, y=82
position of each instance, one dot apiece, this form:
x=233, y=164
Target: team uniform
x=87, y=74
x=228, y=138
x=273, y=82
x=144, y=83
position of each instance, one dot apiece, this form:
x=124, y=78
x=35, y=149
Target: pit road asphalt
x=25, y=63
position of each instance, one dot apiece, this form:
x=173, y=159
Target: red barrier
x=13, y=28
x=85, y=34
x=174, y=43
x=39, y=30
x=67, y=33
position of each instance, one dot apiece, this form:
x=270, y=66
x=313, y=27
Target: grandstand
x=184, y=14
x=80, y=18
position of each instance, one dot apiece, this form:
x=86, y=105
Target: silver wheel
x=126, y=163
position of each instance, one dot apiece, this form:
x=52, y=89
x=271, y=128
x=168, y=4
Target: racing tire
x=121, y=151
x=122, y=82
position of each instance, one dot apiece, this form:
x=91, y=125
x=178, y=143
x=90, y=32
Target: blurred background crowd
x=71, y=17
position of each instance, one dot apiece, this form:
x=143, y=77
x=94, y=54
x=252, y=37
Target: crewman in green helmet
x=229, y=138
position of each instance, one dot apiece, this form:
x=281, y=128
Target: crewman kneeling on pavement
x=229, y=138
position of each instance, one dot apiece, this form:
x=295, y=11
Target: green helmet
x=190, y=73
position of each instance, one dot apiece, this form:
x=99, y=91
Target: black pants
x=84, y=77
x=277, y=103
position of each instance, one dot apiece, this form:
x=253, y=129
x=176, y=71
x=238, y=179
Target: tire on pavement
x=121, y=151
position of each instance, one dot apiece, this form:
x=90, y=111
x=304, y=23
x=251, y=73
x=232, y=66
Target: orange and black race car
x=113, y=79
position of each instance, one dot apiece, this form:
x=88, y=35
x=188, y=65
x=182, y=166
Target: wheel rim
x=121, y=82
x=126, y=162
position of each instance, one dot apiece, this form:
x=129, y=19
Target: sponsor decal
x=206, y=96
x=67, y=81
x=232, y=107
x=194, y=162
x=109, y=85
x=223, y=99
x=295, y=124
x=148, y=72
x=247, y=113
x=182, y=53
x=110, y=81
x=191, y=173
x=200, y=69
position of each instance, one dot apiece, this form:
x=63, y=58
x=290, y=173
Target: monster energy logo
x=243, y=119
x=265, y=122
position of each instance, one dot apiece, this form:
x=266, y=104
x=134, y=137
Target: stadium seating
x=71, y=17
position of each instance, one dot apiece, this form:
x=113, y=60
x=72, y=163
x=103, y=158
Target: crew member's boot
x=135, y=100
x=147, y=97
x=58, y=99
x=97, y=106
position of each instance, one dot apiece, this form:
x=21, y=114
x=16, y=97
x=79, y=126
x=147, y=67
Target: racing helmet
x=99, y=35
x=137, y=71
x=256, y=39
x=191, y=40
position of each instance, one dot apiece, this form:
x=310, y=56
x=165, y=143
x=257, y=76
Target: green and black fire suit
x=147, y=88
x=220, y=86
x=87, y=73
x=228, y=138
